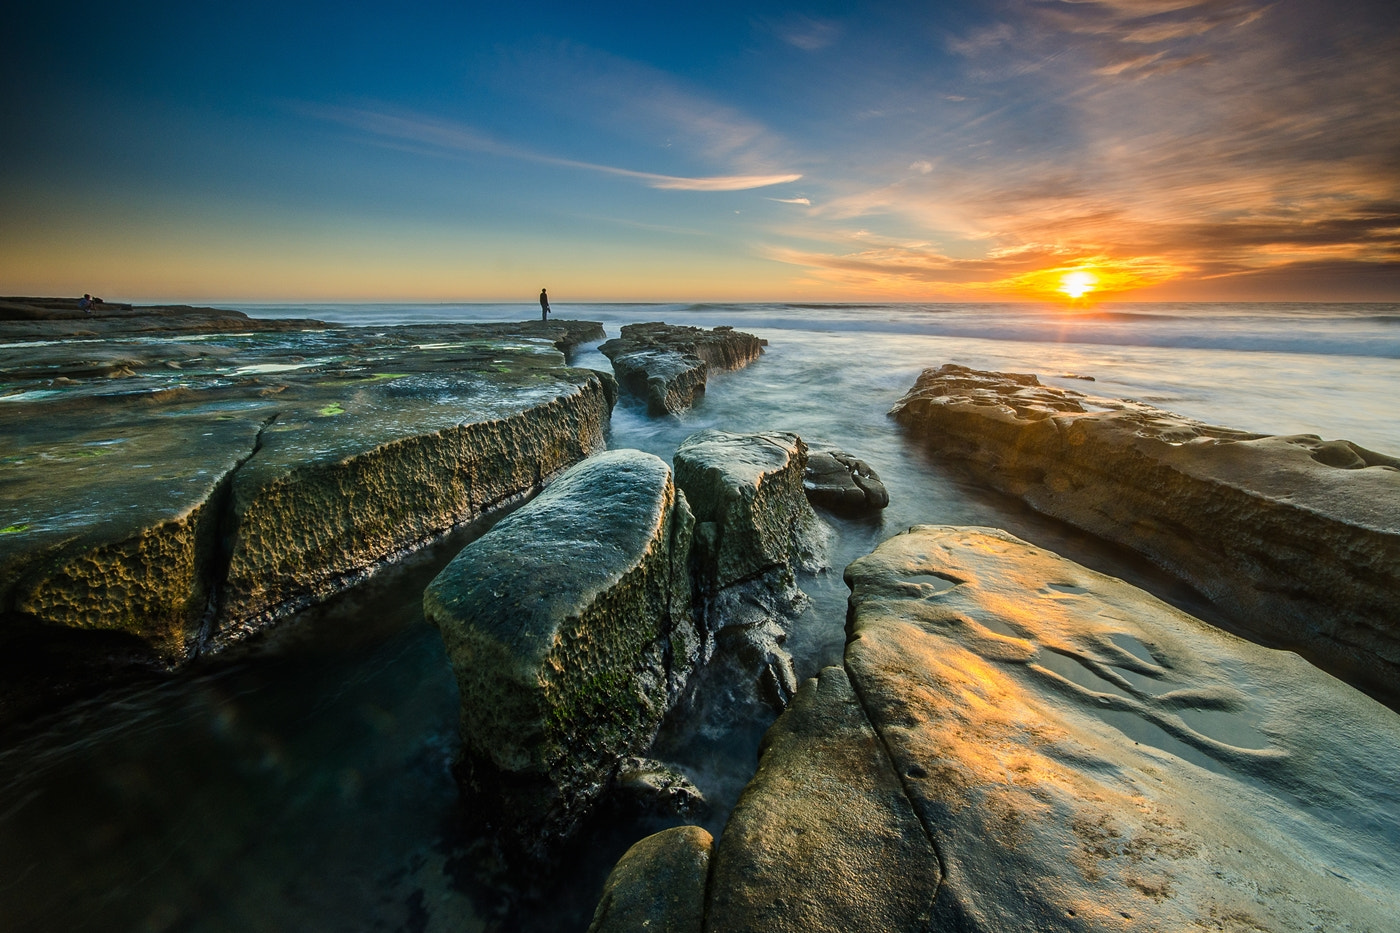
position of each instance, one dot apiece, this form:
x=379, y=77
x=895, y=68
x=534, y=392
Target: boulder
x=750, y=511
x=753, y=530
x=668, y=364
x=658, y=886
x=1296, y=538
x=568, y=626
x=846, y=485
x=220, y=483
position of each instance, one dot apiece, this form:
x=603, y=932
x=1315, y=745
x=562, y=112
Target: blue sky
x=1158, y=149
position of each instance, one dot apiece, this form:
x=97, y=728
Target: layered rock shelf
x=573, y=625
x=178, y=493
x=844, y=484
x=668, y=364
x=1295, y=537
x=1015, y=742
x=570, y=630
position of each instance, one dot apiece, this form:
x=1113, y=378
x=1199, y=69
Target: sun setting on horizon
x=1078, y=283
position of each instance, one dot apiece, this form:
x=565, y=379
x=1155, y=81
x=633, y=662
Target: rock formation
x=1017, y=743
x=668, y=364
x=843, y=484
x=180, y=493
x=753, y=530
x=1296, y=537
x=658, y=886
x=569, y=628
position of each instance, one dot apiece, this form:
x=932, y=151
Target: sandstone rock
x=645, y=785
x=1297, y=538
x=823, y=838
x=182, y=507
x=659, y=885
x=668, y=364
x=568, y=626
x=844, y=484
x=1088, y=758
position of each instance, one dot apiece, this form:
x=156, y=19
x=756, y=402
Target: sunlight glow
x=1078, y=283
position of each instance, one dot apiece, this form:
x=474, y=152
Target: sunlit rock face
x=1297, y=538
x=668, y=364
x=1015, y=742
x=754, y=529
x=569, y=628
x=178, y=493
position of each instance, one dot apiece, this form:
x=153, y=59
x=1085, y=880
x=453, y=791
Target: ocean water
x=303, y=782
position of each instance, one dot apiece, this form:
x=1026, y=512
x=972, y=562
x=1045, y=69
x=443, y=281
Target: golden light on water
x=1078, y=283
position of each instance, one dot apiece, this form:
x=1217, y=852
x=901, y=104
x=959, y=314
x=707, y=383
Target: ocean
x=304, y=782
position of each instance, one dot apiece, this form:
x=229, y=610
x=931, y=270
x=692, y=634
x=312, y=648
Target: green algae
x=334, y=408
x=18, y=528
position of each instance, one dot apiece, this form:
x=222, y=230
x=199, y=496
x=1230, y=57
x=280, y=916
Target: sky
x=985, y=150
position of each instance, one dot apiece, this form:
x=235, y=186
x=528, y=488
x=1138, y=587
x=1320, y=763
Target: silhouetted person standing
x=544, y=306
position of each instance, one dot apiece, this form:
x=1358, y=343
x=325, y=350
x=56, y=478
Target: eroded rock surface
x=844, y=484
x=1015, y=742
x=1296, y=537
x=569, y=628
x=179, y=492
x=668, y=364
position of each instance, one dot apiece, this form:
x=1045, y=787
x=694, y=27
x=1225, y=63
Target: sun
x=1077, y=283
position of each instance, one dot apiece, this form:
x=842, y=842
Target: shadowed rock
x=183, y=492
x=568, y=626
x=844, y=484
x=667, y=364
x=1297, y=538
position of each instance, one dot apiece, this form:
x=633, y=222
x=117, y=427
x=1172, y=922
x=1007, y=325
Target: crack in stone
x=216, y=565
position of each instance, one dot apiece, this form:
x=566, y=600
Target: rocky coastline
x=1009, y=741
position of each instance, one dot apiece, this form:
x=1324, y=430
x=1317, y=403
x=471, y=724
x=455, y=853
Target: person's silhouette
x=544, y=306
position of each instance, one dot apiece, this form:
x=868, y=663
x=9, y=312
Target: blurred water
x=305, y=784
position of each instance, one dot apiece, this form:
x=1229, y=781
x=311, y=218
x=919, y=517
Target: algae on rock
x=569, y=628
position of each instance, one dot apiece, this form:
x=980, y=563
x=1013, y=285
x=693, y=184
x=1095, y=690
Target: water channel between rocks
x=303, y=781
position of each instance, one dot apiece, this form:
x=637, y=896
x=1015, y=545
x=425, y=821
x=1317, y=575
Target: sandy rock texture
x=1015, y=742
x=175, y=493
x=569, y=628
x=1296, y=537
x=668, y=364
x=658, y=886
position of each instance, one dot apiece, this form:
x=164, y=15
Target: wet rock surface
x=56, y=318
x=569, y=628
x=1015, y=742
x=1295, y=537
x=844, y=484
x=668, y=364
x=754, y=529
x=176, y=492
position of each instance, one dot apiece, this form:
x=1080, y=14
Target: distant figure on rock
x=544, y=306
x=86, y=303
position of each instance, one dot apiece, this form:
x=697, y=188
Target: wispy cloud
x=805, y=32
x=446, y=137
x=806, y=202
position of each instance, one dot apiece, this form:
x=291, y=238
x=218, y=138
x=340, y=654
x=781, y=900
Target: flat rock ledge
x=569, y=629
x=166, y=496
x=1295, y=537
x=668, y=364
x=1015, y=742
